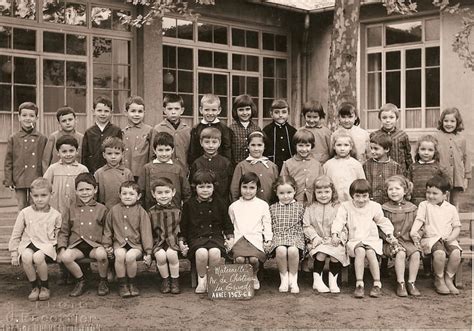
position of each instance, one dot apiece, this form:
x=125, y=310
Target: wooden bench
x=466, y=241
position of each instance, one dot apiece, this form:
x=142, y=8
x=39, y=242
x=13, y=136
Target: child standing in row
x=34, y=238
x=401, y=213
x=92, y=156
x=137, y=137
x=67, y=122
x=173, y=108
x=453, y=155
x=343, y=163
x=204, y=224
x=280, y=134
x=317, y=221
x=24, y=153
x=127, y=235
x=165, y=218
x=400, y=151
x=314, y=115
x=243, y=110
x=363, y=217
x=252, y=225
x=266, y=170
x=303, y=166
x=287, y=227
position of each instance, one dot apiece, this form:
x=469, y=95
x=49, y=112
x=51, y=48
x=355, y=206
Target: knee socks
x=335, y=267
x=318, y=266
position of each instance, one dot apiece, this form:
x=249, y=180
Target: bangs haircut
x=66, y=140
x=243, y=100
x=210, y=99
x=389, y=107
x=28, y=105
x=279, y=104
x=382, y=140
x=210, y=133
x=457, y=114
x=103, y=99
x=172, y=98
x=431, y=139
x=440, y=182
x=313, y=106
x=41, y=183
x=257, y=134
x=342, y=134
x=283, y=180
x=163, y=139
x=130, y=184
x=326, y=182
x=134, y=99
x=85, y=177
x=66, y=110
x=360, y=186
x=162, y=181
x=113, y=142
x=304, y=136
x=250, y=177
x=347, y=109
x=203, y=176
x=403, y=181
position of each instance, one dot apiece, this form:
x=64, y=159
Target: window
x=403, y=68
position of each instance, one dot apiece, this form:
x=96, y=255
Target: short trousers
x=85, y=248
x=35, y=249
x=443, y=246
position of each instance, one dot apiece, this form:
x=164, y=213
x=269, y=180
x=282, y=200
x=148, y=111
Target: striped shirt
x=165, y=226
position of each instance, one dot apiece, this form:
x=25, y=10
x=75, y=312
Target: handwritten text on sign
x=230, y=281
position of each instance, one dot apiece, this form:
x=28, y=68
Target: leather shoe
x=79, y=289
x=412, y=290
x=401, y=289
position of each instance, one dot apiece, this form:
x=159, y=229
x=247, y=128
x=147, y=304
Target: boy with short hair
x=66, y=117
x=137, y=137
x=210, y=108
x=164, y=166
x=24, y=153
x=92, y=156
x=113, y=173
x=81, y=234
x=173, y=108
x=380, y=167
x=128, y=236
x=62, y=174
x=441, y=228
x=313, y=113
x=401, y=148
x=211, y=160
x=280, y=134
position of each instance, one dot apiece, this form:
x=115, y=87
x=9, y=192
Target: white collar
x=155, y=161
x=101, y=127
x=203, y=121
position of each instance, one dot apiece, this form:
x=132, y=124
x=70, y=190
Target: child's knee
x=253, y=260
x=240, y=260
x=120, y=254
x=131, y=256
x=66, y=257
x=27, y=257
x=38, y=257
x=439, y=255
x=320, y=256
x=215, y=253
x=455, y=255
x=172, y=255
x=401, y=255
x=359, y=252
x=416, y=256
x=201, y=254
x=100, y=254
x=281, y=251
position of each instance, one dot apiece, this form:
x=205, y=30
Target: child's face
x=40, y=197
x=67, y=122
x=129, y=196
x=210, y=111
x=85, y=192
x=360, y=199
x=388, y=119
x=163, y=152
x=449, y=123
x=312, y=119
x=27, y=118
x=426, y=151
x=112, y=156
x=163, y=194
x=204, y=191
x=395, y=191
x=280, y=115
x=434, y=195
x=173, y=111
x=67, y=153
x=102, y=113
x=210, y=145
x=285, y=193
x=378, y=152
x=248, y=190
x=323, y=195
x=347, y=121
x=343, y=147
x=244, y=113
x=135, y=113
x=256, y=147
x=303, y=149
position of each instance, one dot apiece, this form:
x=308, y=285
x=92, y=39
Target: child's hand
x=466, y=184
x=417, y=245
x=335, y=240
x=15, y=261
x=147, y=260
x=316, y=241
x=391, y=240
x=110, y=252
x=267, y=246
x=183, y=248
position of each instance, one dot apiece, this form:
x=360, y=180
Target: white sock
x=174, y=270
x=163, y=269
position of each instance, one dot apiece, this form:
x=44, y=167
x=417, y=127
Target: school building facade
x=58, y=52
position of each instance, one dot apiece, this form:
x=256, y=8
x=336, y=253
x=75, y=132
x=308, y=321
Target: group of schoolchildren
x=213, y=191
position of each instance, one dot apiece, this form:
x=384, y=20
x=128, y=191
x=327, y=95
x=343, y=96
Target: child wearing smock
x=317, y=221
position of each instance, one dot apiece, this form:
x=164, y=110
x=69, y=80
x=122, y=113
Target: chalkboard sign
x=230, y=281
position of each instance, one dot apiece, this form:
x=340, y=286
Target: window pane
x=25, y=70
x=220, y=84
x=76, y=73
x=185, y=29
x=374, y=62
x=220, y=34
x=432, y=87
x=392, y=60
x=281, y=88
x=5, y=37
x=168, y=27
x=24, y=93
x=119, y=99
x=6, y=66
x=185, y=81
x=413, y=118
x=121, y=77
x=268, y=67
x=432, y=29
x=223, y=113
x=5, y=98
x=102, y=50
x=205, y=83
x=399, y=33
x=238, y=62
x=53, y=98
x=413, y=88
x=25, y=9
x=185, y=58
x=413, y=58
x=267, y=106
x=280, y=68
x=76, y=98
x=169, y=57
x=374, y=90
x=205, y=32
x=53, y=11
x=102, y=75
x=373, y=121
x=392, y=87
x=238, y=85
x=252, y=63
x=53, y=72
x=252, y=86
x=251, y=39
x=76, y=14
x=101, y=17
x=238, y=37
x=220, y=60
x=24, y=39
x=76, y=44
x=205, y=58
x=280, y=43
x=268, y=41
x=169, y=81
x=269, y=88
x=53, y=42
x=432, y=56
x=188, y=104
x=432, y=117
x=374, y=36
x=120, y=49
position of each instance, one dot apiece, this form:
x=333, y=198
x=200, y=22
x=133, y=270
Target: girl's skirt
x=207, y=243
x=244, y=248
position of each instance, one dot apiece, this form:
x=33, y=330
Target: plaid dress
x=377, y=173
x=401, y=148
x=239, y=143
x=419, y=173
x=165, y=227
x=287, y=224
